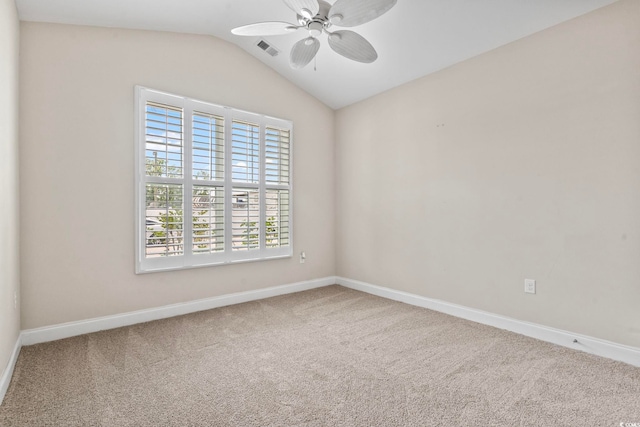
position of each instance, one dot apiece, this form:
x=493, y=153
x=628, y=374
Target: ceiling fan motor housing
x=319, y=22
x=315, y=28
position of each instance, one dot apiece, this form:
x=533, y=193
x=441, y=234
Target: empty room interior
x=320, y=213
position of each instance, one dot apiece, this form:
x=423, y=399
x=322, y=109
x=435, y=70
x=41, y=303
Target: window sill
x=139, y=270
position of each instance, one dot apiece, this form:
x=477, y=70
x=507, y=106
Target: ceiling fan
x=317, y=17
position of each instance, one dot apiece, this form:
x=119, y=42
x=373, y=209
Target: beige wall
x=76, y=173
x=9, y=265
x=520, y=163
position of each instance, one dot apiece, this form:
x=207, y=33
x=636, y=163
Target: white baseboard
x=8, y=371
x=66, y=330
x=611, y=350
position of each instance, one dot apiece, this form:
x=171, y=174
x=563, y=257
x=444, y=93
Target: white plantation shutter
x=164, y=155
x=163, y=140
x=277, y=180
x=163, y=220
x=277, y=223
x=208, y=146
x=245, y=152
x=213, y=184
x=208, y=219
x=245, y=221
x=277, y=142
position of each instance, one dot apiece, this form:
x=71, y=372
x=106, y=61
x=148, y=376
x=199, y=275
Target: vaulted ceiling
x=414, y=38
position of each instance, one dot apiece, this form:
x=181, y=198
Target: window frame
x=188, y=259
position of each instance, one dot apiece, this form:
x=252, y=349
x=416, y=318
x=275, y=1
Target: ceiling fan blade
x=306, y=8
x=349, y=13
x=303, y=52
x=265, y=29
x=353, y=46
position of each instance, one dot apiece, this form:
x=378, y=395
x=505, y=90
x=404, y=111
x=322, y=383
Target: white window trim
x=188, y=259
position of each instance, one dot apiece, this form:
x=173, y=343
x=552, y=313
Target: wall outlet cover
x=530, y=286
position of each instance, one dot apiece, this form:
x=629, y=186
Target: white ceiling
x=415, y=38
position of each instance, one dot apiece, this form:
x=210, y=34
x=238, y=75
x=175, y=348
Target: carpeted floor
x=325, y=357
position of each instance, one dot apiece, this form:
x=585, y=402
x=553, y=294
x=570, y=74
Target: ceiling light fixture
x=317, y=17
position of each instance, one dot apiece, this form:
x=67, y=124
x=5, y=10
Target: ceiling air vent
x=268, y=48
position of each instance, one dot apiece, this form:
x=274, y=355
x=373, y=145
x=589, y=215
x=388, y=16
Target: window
x=213, y=184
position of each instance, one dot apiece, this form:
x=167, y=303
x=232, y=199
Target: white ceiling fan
x=317, y=17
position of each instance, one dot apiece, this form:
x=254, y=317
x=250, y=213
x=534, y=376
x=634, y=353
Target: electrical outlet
x=303, y=257
x=530, y=286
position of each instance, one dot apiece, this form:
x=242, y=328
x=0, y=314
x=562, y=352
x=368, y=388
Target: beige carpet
x=325, y=357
